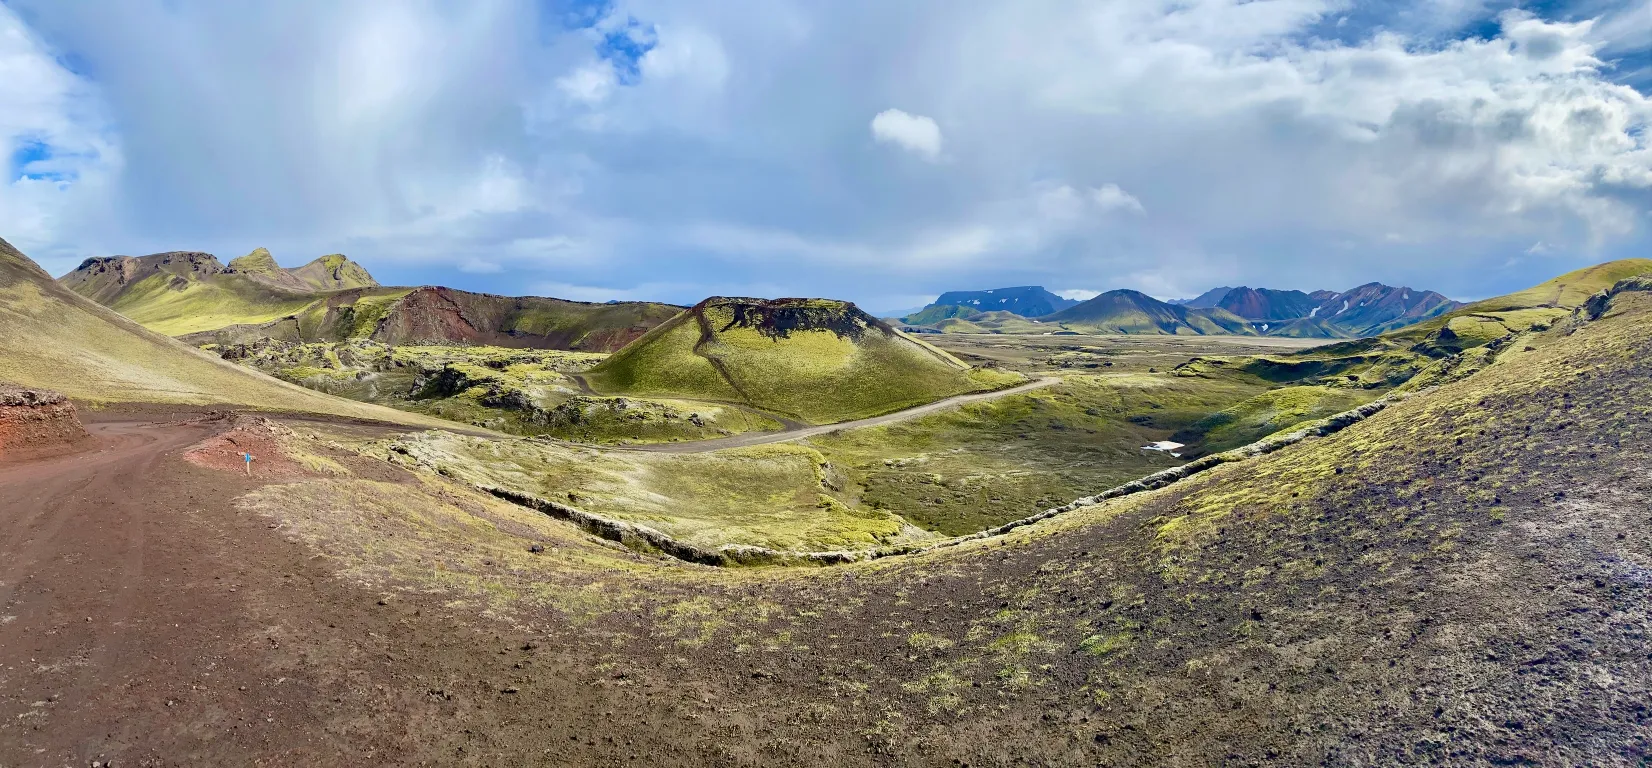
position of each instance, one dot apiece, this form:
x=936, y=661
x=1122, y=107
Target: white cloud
x=589, y=84
x=1111, y=198
x=53, y=131
x=1077, y=294
x=915, y=133
x=679, y=143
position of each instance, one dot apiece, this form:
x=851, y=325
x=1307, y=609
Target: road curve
x=798, y=432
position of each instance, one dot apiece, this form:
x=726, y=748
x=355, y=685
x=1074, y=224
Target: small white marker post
x=248, y=458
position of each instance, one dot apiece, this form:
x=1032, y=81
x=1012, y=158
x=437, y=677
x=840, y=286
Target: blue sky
x=882, y=152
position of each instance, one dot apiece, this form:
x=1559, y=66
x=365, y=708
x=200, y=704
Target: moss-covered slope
x=54, y=338
x=333, y=299
x=816, y=360
x=1133, y=312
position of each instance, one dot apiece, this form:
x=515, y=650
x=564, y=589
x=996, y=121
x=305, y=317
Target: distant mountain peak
x=1023, y=300
x=1205, y=300
x=259, y=262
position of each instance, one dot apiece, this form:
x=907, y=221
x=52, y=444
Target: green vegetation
x=935, y=313
x=523, y=392
x=778, y=496
x=191, y=295
x=1481, y=542
x=815, y=360
x=997, y=321
x=173, y=306
x=990, y=462
x=1132, y=312
x=1273, y=411
x=1568, y=290
x=53, y=338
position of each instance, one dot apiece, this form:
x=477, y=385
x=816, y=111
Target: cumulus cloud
x=1111, y=198
x=1077, y=294
x=915, y=133
x=54, y=134
x=682, y=145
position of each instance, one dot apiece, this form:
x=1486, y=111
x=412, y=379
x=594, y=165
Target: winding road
x=795, y=431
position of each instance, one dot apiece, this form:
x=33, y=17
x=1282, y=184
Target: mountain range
x=1367, y=310
x=1026, y=301
x=195, y=297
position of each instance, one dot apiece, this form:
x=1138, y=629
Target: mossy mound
x=519, y=391
x=816, y=360
x=935, y=313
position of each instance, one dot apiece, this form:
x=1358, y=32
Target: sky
x=881, y=151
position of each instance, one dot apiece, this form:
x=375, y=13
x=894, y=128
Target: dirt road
x=795, y=431
x=145, y=620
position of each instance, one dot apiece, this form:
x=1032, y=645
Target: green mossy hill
x=815, y=360
x=193, y=296
x=997, y=321
x=259, y=262
x=935, y=313
x=518, y=391
x=185, y=292
x=1133, y=312
x=434, y=315
x=1568, y=290
x=54, y=338
x=333, y=272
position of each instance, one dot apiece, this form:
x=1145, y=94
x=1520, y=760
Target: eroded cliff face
x=36, y=421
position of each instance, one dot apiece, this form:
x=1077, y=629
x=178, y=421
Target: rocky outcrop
x=1600, y=302
x=36, y=421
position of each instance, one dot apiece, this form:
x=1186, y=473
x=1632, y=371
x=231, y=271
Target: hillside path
x=146, y=620
x=799, y=431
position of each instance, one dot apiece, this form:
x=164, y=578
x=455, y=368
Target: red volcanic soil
x=248, y=434
x=36, y=422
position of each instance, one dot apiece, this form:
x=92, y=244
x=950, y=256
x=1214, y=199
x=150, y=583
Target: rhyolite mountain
x=1367, y=310
x=195, y=297
x=1026, y=301
x=1134, y=312
x=1205, y=300
x=1267, y=304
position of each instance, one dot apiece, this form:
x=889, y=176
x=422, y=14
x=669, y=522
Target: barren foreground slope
x=1462, y=579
